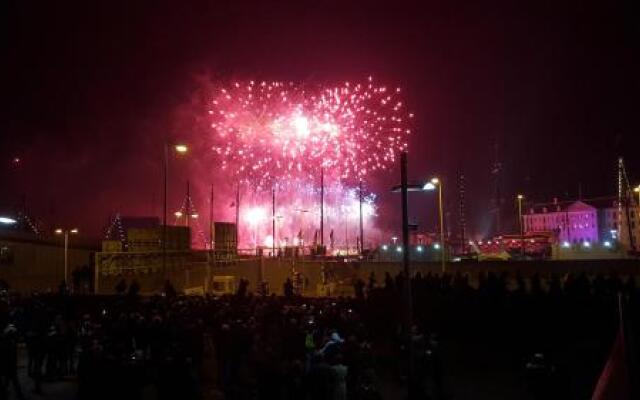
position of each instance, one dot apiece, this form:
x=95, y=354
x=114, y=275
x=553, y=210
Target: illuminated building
x=584, y=221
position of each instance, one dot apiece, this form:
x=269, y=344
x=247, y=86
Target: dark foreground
x=542, y=338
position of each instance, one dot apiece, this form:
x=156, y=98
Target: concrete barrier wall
x=40, y=269
x=275, y=272
x=37, y=267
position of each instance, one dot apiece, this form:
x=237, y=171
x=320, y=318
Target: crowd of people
x=556, y=331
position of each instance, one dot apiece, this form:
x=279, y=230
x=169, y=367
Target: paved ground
x=61, y=390
x=489, y=379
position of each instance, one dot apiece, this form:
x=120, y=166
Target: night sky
x=90, y=91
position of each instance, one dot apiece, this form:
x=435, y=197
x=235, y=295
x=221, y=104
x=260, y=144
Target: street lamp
x=432, y=185
x=180, y=214
x=66, y=233
x=7, y=221
x=179, y=149
x=520, y=197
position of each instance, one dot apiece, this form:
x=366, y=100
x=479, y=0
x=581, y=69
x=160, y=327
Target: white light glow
x=301, y=126
x=181, y=148
x=255, y=215
x=268, y=241
x=7, y=221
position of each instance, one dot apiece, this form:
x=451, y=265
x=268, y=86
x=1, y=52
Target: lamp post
x=432, y=185
x=408, y=318
x=277, y=218
x=273, y=222
x=361, y=219
x=404, y=188
x=66, y=233
x=302, y=226
x=520, y=197
x=179, y=149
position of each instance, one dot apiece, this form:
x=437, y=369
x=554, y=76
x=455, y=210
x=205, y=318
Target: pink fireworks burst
x=268, y=132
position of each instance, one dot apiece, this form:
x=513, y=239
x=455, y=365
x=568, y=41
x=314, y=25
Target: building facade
x=586, y=222
x=574, y=223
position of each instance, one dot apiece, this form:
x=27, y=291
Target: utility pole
x=65, y=233
x=520, y=197
x=273, y=222
x=361, y=221
x=211, y=219
x=164, y=210
x=443, y=251
x=237, y=213
x=462, y=215
x=496, y=210
x=408, y=314
x=66, y=257
x=346, y=231
x=188, y=210
x=322, y=207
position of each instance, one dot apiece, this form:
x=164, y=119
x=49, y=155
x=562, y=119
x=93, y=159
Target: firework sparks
x=277, y=135
x=274, y=131
x=297, y=216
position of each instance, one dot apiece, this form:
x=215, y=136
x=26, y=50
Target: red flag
x=613, y=383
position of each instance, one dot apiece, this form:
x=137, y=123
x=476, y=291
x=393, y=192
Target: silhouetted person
x=121, y=287
x=9, y=361
x=358, y=288
x=242, y=288
x=63, y=289
x=372, y=281
x=134, y=288
x=288, y=288
x=321, y=380
x=169, y=290
x=539, y=377
x=388, y=282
